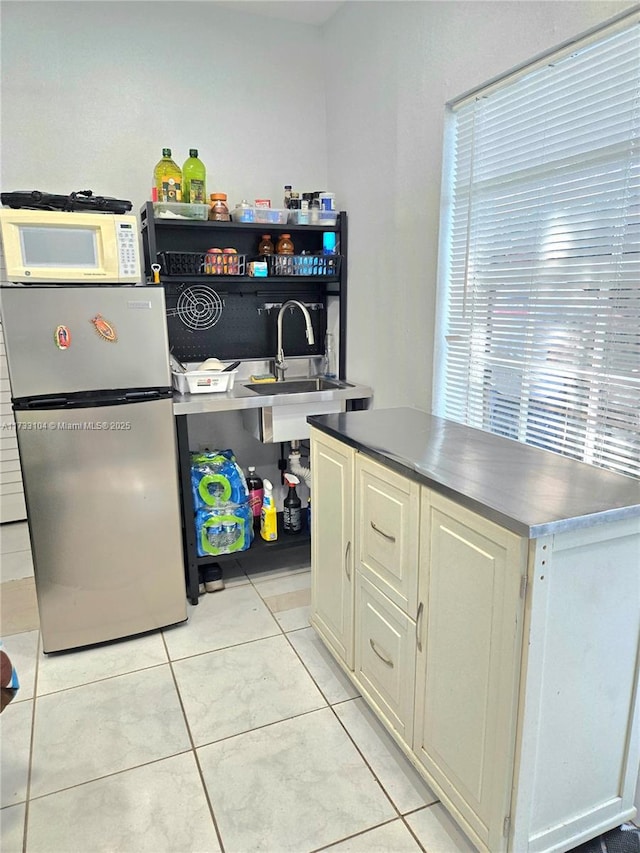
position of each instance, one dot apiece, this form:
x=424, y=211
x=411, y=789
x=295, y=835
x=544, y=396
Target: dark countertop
x=530, y=491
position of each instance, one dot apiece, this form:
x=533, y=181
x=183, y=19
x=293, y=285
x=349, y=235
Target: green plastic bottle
x=167, y=178
x=194, y=177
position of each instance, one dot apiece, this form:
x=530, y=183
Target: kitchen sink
x=297, y=386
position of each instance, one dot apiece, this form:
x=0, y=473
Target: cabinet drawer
x=388, y=508
x=385, y=656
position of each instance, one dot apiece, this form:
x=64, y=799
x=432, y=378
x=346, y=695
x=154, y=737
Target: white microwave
x=56, y=247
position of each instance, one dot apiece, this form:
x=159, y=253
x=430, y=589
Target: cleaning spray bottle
x=268, y=516
x=292, y=516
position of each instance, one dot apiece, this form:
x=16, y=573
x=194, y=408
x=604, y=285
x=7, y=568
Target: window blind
x=540, y=256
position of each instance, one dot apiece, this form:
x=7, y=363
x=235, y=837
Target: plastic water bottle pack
x=223, y=517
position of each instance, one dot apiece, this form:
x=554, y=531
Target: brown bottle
x=265, y=246
x=285, y=245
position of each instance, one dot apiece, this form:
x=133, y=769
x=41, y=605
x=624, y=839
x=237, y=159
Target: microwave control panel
x=128, y=251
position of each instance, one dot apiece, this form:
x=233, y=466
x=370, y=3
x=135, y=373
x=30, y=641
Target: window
x=539, y=311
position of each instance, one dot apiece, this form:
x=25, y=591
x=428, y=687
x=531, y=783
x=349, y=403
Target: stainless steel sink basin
x=296, y=386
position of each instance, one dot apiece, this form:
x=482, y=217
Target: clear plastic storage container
x=178, y=210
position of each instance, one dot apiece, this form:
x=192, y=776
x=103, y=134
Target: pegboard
x=245, y=324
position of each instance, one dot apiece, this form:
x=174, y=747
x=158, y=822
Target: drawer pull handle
x=382, y=657
x=347, y=551
x=382, y=533
x=419, y=626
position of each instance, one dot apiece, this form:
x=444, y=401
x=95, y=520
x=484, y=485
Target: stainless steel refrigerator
x=90, y=385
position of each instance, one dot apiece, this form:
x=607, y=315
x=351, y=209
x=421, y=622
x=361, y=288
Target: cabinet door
x=468, y=659
x=332, y=463
x=385, y=640
x=387, y=537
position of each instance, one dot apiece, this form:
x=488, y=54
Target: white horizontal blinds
x=542, y=324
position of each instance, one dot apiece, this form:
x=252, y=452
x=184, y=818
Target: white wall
x=392, y=66
x=92, y=92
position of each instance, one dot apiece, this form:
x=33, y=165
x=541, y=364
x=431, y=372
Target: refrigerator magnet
x=104, y=329
x=62, y=337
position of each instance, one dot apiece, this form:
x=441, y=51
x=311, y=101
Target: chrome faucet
x=281, y=365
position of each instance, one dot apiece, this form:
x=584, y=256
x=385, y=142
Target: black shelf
x=260, y=227
x=242, y=330
x=260, y=547
x=256, y=282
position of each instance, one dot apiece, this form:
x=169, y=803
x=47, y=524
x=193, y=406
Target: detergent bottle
x=268, y=516
x=292, y=516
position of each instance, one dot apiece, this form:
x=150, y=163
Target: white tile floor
x=233, y=732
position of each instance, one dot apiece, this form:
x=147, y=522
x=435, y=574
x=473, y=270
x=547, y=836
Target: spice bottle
x=285, y=245
x=219, y=210
x=265, y=246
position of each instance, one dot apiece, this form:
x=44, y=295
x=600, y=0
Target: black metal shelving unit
x=238, y=291
x=244, y=332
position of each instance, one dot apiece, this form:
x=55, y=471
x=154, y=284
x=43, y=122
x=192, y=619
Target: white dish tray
x=203, y=381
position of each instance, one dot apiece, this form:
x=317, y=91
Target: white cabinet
x=505, y=667
x=387, y=523
x=385, y=640
x=386, y=519
x=472, y=574
x=332, y=597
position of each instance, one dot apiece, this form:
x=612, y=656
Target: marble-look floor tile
x=326, y=673
x=241, y=688
x=18, y=607
x=71, y=669
x=15, y=737
x=23, y=651
x=226, y=618
x=103, y=727
x=14, y=537
x=12, y=828
x=16, y=565
x=288, y=600
x=398, y=777
x=291, y=787
x=293, y=620
x=157, y=808
x=283, y=585
x=393, y=837
x=437, y=832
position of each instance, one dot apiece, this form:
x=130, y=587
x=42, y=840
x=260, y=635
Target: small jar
x=265, y=246
x=219, y=211
x=285, y=245
x=314, y=211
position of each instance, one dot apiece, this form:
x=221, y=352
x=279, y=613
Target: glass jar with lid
x=219, y=211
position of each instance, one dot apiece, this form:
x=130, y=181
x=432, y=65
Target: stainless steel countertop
x=530, y=491
x=240, y=397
